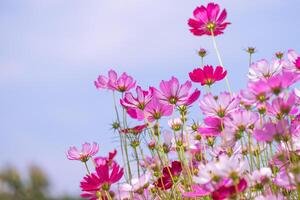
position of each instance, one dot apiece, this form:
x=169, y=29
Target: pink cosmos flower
x=156, y=110
x=261, y=176
x=95, y=184
x=285, y=179
x=282, y=106
x=208, y=20
x=102, y=81
x=220, y=191
x=197, y=191
x=284, y=80
x=172, y=93
x=241, y=120
x=135, y=130
x=271, y=130
x=270, y=196
x=87, y=151
x=106, y=160
x=135, y=188
x=262, y=69
x=207, y=75
x=257, y=92
x=137, y=104
x=113, y=82
x=294, y=61
x=150, y=162
x=212, y=127
x=226, y=166
x=220, y=106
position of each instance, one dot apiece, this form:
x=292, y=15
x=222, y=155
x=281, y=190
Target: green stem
x=87, y=168
x=120, y=135
x=137, y=161
x=108, y=195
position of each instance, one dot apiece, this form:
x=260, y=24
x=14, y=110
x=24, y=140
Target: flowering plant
x=245, y=146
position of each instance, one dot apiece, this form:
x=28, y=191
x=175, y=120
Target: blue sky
x=51, y=52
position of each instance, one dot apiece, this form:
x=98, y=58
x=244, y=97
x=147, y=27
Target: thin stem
x=108, y=195
x=87, y=168
x=137, y=161
x=120, y=135
x=219, y=58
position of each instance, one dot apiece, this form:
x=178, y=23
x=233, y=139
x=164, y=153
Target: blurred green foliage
x=13, y=186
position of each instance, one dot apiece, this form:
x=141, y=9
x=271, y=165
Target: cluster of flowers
x=247, y=145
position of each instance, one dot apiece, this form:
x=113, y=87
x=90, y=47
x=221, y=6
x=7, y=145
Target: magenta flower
x=208, y=75
x=224, y=192
x=109, y=161
x=135, y=105
x=102, y=81
x=271, y=131
x=135, y=130
x=212, y=127
x=87, y=151
x=113, y=82
x=219, y=106
x=284, y=80
x=174, y=94
x=262, y=69
x=139, y=102
x=197, y=191
x=95, y=184
x=155, y=110
x=207, y=20
x=294, y=61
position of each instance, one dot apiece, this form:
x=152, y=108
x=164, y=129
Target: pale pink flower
x=220, y=106
x=285, y=179
x=262, y=69
x=227, y=166
x=270, y=196
x=261, y=176
x=172, y=93
x=87, y=151
x=241, y=120
x=175, y=124
x=135, y=188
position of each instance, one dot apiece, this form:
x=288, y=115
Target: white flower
x=230, y=167
x=175, y=124
x=263, y=69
